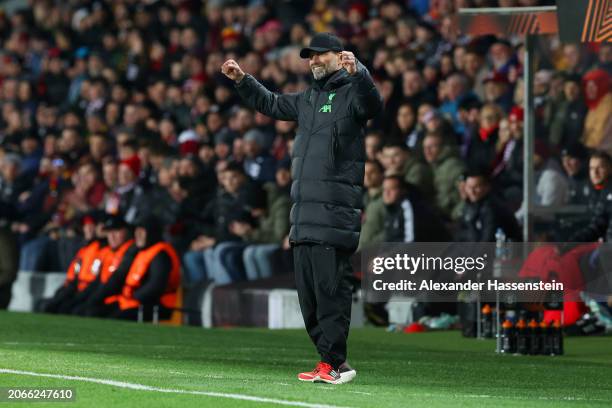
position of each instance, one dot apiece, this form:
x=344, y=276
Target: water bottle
x=557, y=340
x=522, y=337
x=487, y=321
x=500, y=241
x=534, y=337
x=508, y=338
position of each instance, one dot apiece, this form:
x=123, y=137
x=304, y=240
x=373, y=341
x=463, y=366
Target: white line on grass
x=142, y=387
x=513, y=397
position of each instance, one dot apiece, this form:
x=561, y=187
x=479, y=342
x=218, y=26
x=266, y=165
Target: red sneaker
x=328, y=375
x=311, y=376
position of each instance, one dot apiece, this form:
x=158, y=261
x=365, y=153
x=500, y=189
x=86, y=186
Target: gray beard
x=319, y=72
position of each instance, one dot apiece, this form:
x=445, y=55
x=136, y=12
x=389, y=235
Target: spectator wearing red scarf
x=481, y=151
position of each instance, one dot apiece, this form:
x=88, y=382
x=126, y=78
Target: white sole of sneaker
x=345, y=377
x=308, y=380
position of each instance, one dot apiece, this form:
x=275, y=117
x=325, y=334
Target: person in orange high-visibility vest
x=82, y=264
x=116, y=258
x=153, y=277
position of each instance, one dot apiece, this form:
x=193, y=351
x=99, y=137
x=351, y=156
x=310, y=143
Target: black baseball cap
x=322, y=42
x=115, y=222
x=575, y=150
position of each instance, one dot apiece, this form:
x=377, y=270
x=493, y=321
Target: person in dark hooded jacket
x=153, y=276
x=328, y=161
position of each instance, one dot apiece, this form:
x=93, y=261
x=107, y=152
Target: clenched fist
x=231, y=69
x=348, y=62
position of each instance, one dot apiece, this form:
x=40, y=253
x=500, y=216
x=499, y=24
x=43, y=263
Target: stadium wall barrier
x=30, y=287
x=239, y=304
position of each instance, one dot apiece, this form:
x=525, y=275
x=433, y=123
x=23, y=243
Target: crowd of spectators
x=120, y=106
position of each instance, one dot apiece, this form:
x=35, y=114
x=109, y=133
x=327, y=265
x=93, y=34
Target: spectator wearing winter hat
x=224, y=140
x=189, y=143
x=128, y=172
x=503, y=57
x=497, y=90
x=598, y=123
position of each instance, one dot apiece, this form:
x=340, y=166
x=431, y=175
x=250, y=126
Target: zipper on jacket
x=299, y=192
x=333, y=145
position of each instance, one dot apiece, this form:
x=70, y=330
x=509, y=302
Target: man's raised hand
x=231, y=69
x=348, y=62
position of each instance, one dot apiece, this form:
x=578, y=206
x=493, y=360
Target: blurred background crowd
x=119, y=107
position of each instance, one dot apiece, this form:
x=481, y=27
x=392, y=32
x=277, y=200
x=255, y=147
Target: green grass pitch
x=439, y=369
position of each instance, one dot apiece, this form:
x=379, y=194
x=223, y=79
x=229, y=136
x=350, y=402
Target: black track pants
x=322, y=277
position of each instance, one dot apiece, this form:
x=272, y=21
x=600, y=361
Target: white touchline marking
x=429, y=395
x=142, y=387
x=360, y=392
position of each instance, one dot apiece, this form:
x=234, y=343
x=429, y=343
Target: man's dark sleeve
x=89, y=290
x=596, y=228
x=489, y=224
x=367, y=102
x=281, y=107
x=155, y=280
x=68, y=289
x=116, y=280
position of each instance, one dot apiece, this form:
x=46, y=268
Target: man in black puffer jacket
x=327, y=168
x=600, y=202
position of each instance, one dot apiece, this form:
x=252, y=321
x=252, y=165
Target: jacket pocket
x=326, y=272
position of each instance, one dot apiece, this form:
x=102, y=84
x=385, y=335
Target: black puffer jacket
x=480, y=221
x=328, y=159
x=600, y=226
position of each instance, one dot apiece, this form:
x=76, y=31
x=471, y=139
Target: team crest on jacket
x=327, y=108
